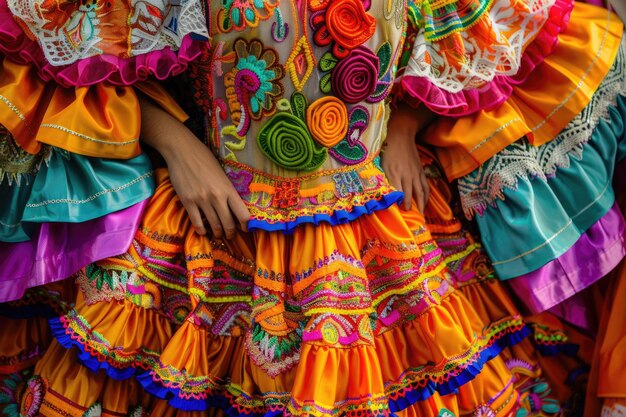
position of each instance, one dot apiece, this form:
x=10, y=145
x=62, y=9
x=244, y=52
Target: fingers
x=425, y=187
x=214, y=220
x=195, y=217
x=408, y=192
x=240, y=211
x=226, y=219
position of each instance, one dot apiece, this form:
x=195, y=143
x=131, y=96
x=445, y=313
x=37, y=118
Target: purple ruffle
x=593, y=256
x=58, y=250
x=416, y=90
x=161, y=64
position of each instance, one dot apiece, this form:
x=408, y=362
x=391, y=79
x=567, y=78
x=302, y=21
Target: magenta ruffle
x=416, y=90
x=58, y=250
x=161, y=64
x=593, y=256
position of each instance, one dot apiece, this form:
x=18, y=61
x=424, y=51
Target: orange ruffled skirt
x=356, y=319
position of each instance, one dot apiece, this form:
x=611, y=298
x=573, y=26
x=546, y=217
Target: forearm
x=406, y=122
x=162, y=131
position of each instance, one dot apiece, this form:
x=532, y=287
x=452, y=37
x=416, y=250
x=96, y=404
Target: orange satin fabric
x=100, y=120
x=543, y=105
x=324, y=373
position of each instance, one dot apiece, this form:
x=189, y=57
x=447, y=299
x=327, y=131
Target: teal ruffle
x=72, y=188
x=541, y=219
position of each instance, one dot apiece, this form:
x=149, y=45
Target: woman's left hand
x=401, y=161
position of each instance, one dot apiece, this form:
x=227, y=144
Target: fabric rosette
x=348, y=23
x=344, y=22
x=286, y=141
x=327, y=119
x=355, y=77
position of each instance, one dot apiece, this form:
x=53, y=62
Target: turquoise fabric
x=540, y=220
x=73, y=188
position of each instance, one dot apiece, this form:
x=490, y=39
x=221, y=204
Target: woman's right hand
x=199, y=180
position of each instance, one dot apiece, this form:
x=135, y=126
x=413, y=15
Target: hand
x=401, y=161
x=205, y=191
x=198, y=178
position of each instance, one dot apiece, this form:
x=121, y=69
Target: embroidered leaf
x=299, y=105
x=384, y=57
x=325, y=85
x=380, y=93
x=328, y=62
x=349, y=154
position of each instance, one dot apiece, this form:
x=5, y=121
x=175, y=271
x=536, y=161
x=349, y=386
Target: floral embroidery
x=351, y=150
x=318, y=194
x=69, y=31
x=345, y=23
x=253, y=85
x=327, y=119
x=286, y=140
x=239, y=14
x=36, y=388
x=355, y=78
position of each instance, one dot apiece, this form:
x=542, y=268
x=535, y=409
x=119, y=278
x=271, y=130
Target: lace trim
x=79, y=30
x=614, y=410
x=479, y=63
x=17, y=165
x=522, y=161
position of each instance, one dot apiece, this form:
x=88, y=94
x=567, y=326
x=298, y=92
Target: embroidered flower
x=286, y=141
x=355, y=78
x=239, y=14
x=253, y=85
x=345, y=22
x=33, y=396
x=327, y=119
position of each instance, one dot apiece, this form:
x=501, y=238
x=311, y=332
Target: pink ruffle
x=416, y=90
x=18, y=47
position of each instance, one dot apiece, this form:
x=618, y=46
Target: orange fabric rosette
x=346, y=22
x=349, y=24
x=327, y=119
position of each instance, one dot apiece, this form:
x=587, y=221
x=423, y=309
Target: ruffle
x=521, y=160
x=161, y=64
x=70, y=188
x=337, y=216
x=604, y=242
x=556, y=210
x=22, y=344
x=228, y=329
x=543, y=105
x=58, y=250
x=100, y=120
x=338, y=196
x=493, y=92
x=157, y=378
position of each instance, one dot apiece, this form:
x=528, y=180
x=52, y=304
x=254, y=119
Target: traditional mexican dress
x=531, y=126
x=337, y=302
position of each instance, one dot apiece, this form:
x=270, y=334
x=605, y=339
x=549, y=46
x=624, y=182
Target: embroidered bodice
x=295, y=96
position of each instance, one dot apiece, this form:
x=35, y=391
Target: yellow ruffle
x=100, y=120
x=543, y=105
